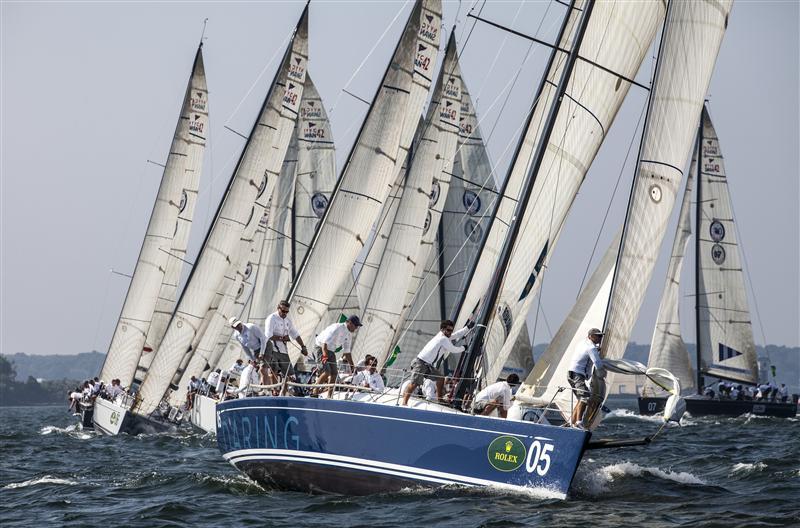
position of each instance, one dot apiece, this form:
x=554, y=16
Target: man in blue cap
x=328, y=341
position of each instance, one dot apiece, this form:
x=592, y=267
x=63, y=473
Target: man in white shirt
x=784, y=393
x=586, y=354
x=429, y=361
x=249, y=377
x=213, y=380
x=369, y=377
x=335, y=336
x=495, y=396
x=252, y=339
x=279, y=330
x=114, y=390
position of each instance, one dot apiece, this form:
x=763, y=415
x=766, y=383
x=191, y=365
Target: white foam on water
x=71, y=430
x=597, y=482
x=745, y=468
x=653, y=418
x=47, y=479
x=493, y=489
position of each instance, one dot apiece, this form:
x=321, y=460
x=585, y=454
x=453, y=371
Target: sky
x=91, y=92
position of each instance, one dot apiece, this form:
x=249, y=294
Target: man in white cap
x=333, y=337
x=250, y=336
x=586, y=354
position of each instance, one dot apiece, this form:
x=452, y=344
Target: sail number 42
x=539, y=458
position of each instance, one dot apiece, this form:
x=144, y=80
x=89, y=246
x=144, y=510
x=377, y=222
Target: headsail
x=592, y=98
x=363, y=186
x=239, y=213
x=155, y=277
x=725, y=337
x=667, y=349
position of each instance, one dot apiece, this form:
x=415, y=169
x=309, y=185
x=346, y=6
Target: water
x=710, y=471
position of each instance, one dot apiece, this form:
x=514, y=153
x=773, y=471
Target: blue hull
x=348, y=447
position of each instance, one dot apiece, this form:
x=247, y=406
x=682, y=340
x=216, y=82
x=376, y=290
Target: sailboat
x=362, y=445
x=725, y=345
x=153, y=287
x=238, y=217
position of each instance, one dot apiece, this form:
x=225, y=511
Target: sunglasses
x=281, y=310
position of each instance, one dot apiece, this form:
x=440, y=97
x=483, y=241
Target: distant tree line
x=30, y=392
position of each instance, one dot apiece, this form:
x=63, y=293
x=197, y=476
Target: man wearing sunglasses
x=280, y=330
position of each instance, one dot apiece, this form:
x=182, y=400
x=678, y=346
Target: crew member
x=369, y=377
x=280, y=330
x=252, y=339
x=496, y=396
x=335, y=336
x=429, y=360
x=586, y=354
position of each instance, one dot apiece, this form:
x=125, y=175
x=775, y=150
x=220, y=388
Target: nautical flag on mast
x=726, y=352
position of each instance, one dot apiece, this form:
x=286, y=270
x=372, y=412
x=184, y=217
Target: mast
x=502, y=191
x=698, y=213
x=465, y=384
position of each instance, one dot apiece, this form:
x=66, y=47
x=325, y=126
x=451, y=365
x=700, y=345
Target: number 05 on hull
x=350, y=447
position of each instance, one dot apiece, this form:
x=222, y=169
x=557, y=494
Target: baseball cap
x=596, y=331
x=234, y=322
x=355, y=320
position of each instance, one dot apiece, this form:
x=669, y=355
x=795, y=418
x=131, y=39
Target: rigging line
x=278, y=50
x=556, y=47
x=497, y=55
x=367, y=56
x=171, y=254
x=611, y=199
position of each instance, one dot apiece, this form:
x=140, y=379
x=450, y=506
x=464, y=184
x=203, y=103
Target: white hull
x=109, y=417
x=204, y=413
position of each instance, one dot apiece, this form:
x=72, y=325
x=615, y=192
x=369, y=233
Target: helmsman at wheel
x=250, y=336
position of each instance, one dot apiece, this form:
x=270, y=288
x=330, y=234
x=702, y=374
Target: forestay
x=690, y=42
x=667, y=349
x=241, y=209
x=434, y=153
x=361, y=190
x=725, y=332
x=155, y=277
x=617, y=38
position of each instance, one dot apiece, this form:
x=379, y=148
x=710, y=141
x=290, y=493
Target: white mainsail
x=434, y=153
x=617, y=38
x=239, y=213
x=690, y=43
x=459, y=209
x=548, y=379
x=361, y=190
x=667, y=349
x=152, y=288
x=725, y=331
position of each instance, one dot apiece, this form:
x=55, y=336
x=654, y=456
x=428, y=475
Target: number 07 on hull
x=358, y=448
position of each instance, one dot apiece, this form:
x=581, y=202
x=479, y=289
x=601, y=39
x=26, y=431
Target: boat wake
x=627, y=414
x=494, y=490
x=598, y=481
x=47, y=479
x=70, y=430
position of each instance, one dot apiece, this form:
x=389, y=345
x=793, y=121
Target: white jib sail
x=164, y=245
x=240, y=211
x=690, y=43
x=618, y=37
x=548, y=381
x=361, y=190
x=727, y=348
x=456, y=218
x=437, y=145
x=667, y=349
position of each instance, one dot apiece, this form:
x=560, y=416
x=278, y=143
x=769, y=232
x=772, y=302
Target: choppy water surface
x=708, y=472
